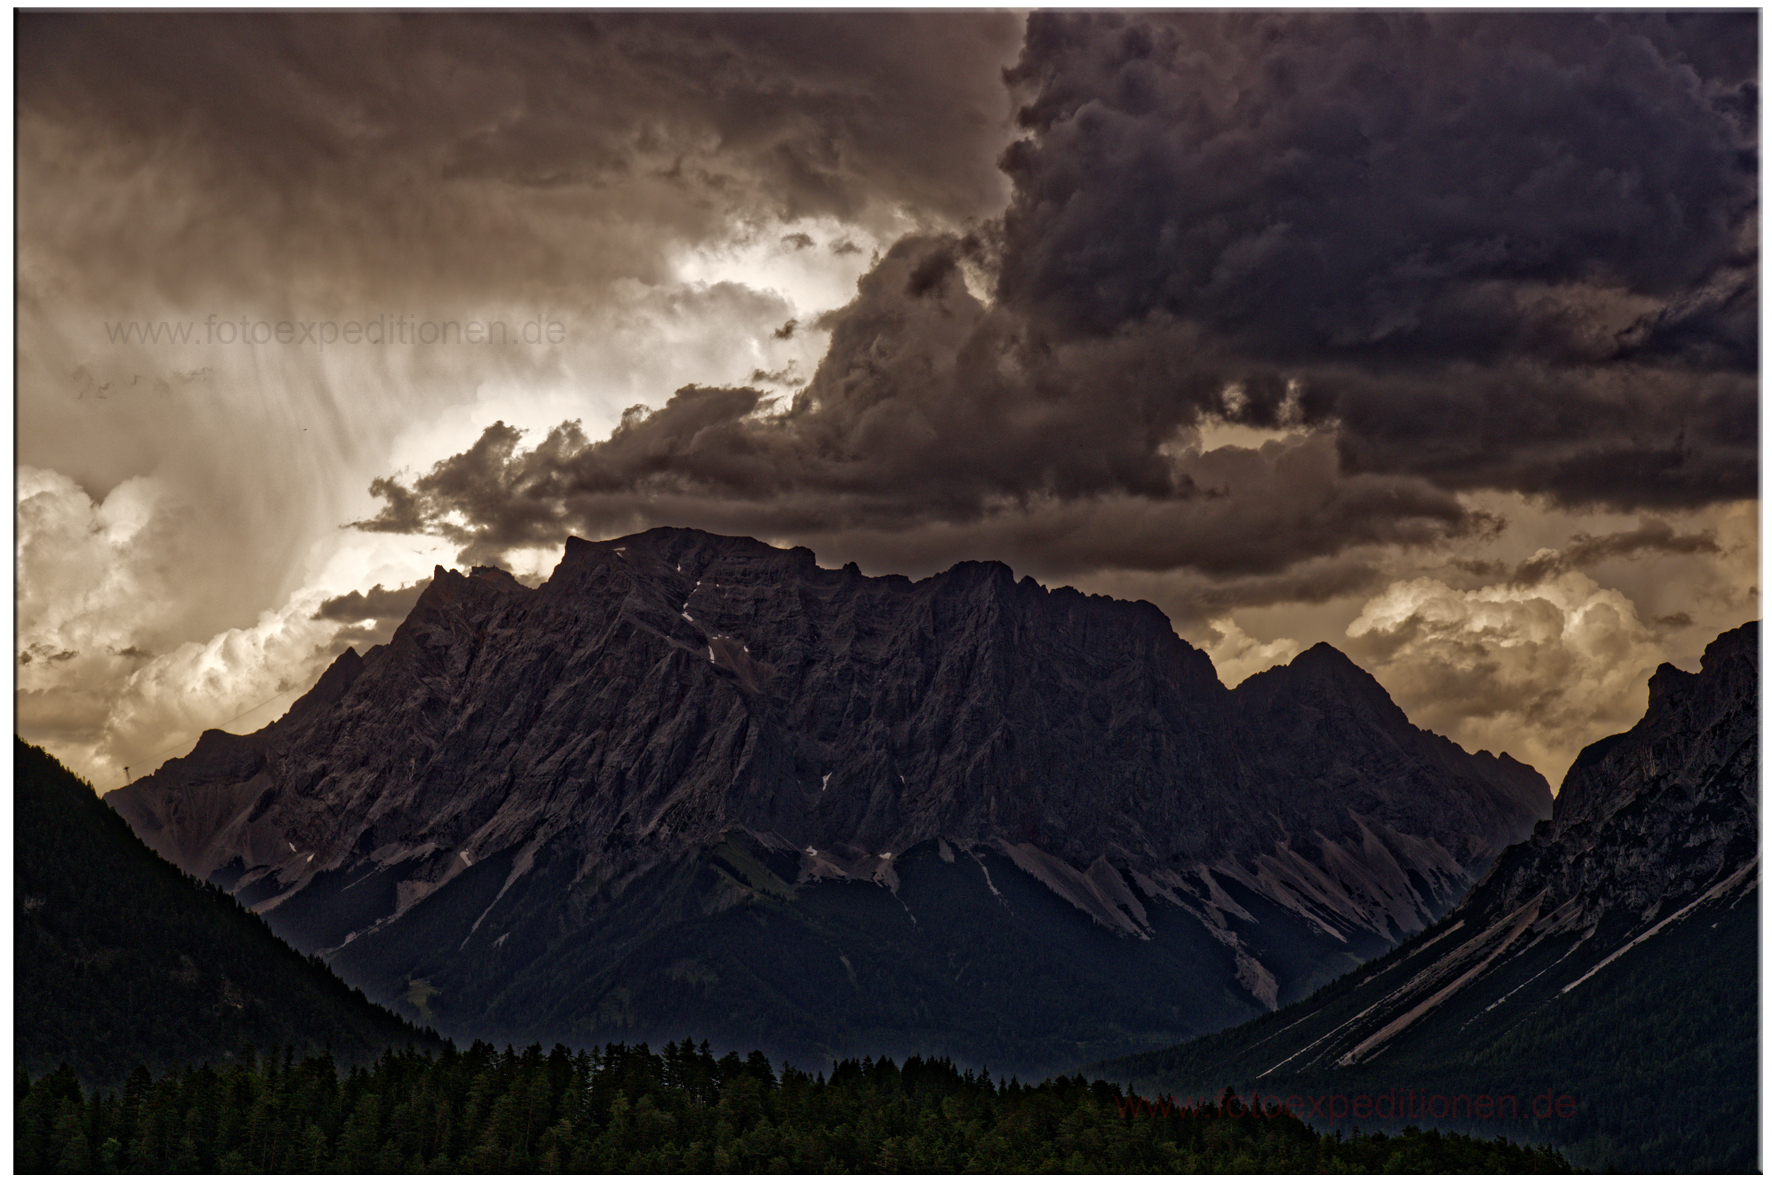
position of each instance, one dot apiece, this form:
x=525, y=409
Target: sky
x=1433, y=336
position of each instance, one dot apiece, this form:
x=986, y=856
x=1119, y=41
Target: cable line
x=174, y=745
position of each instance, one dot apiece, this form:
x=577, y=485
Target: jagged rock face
x=663, y=692
x=1653, y=818
x=1651, y=828
x=1655, y=835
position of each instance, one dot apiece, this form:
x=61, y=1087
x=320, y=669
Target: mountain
x=120, y=959
x=1612, y=958
x=698, y=785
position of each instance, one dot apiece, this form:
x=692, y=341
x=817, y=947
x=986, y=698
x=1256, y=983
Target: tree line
x=627, y=1108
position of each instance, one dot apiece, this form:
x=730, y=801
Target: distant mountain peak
x=1323, y=660
x=1325, y=673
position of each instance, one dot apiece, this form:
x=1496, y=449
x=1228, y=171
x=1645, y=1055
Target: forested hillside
x=120, y=959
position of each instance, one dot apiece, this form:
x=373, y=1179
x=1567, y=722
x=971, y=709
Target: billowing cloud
x=1453, y=184
x=112, y=708
x=1431, y=252
x=81, y=560
x=930, y=433
x=99, y=613
x=244, y=676
x=118, y=662
x=85, y=580
x=1512, y=251
x=184, y=179
x=1251, y=314
x=197, y=171
x=1238, y=656
x=1539, y=671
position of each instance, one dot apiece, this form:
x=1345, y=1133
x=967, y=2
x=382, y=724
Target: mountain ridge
x=665, y=693
x=1628, y=911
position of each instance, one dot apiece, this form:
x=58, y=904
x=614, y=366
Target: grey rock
x=1649, y=821
x=664, y=693
x=1653, y=842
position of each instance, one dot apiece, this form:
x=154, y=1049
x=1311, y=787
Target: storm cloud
x=929, y=433
x=1435, y=253
x=1258, y=316
x=1510, y=251
x=1652, y=536
x=1538, y=670
x=393, y=133
x=374, y=605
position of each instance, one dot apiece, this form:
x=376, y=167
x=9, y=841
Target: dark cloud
x=1423, y=255
x=44, y=652
x=929, y=432
x=361, y=636
x=454, y=146
x=1382, y=185
x=1446, y=252
x=1489, y=568
x=1652, y=536
x=1512, y=251
x=786, y=375
x=367, y=618
x=378, y=603
x=935, y=269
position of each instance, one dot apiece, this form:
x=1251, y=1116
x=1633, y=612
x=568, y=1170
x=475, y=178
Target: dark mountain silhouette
x=697, y=785
x=1612, y=959
x=120, y=959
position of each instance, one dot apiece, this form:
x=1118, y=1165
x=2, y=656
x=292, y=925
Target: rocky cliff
x=681, y=731
x=1612, y=958
x=1650, y=821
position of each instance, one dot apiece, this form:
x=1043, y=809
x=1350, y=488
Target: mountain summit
x=701, y=784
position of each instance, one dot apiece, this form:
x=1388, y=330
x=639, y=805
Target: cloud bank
x=1529, y=669
x=1261, y=316
x=1453, y=252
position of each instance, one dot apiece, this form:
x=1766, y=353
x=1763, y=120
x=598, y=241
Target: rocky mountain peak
x=664, y=694
x=1624, y=936
x=1683, y=781
x=1698, y=714
x=1326, y=674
